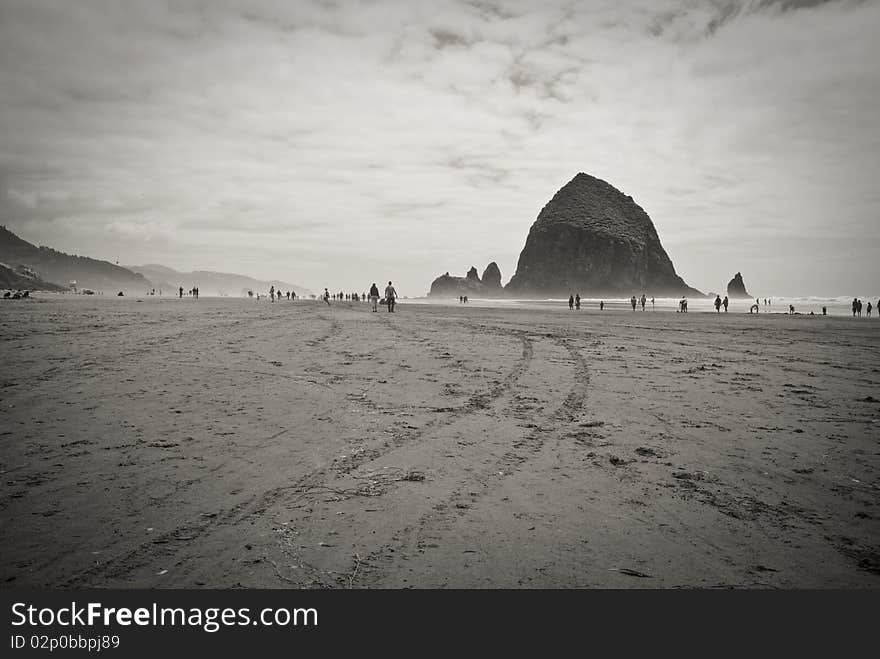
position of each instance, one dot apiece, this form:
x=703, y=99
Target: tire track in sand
x=479, y=484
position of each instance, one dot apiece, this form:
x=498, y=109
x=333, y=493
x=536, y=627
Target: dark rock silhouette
x=594, y=239
x=492, y=278
x=490, y=286
x=736, y=288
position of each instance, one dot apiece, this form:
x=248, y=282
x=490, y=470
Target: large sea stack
x=593, y=239
x=736, y=288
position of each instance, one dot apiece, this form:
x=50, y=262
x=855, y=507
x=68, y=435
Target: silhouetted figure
x=465, y=299
x=725, y=302
x=570, y=302
x=791, y=309
x=824, y=311
x=632, y=301
x=869, y=310
x=374, y=296
x=390, y=297
x=652, y=304
x=181, y=292
x=601, y=305
x=326, y=297
x=717, y=304
x=643, y=301
x=577, y=303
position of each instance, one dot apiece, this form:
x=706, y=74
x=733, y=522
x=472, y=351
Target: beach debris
x=642, y=450
x=161, y=572
x=617, y=462
x=868, y=399
x=630, y=572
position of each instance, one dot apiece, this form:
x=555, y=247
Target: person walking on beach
x=181, y=292
x=577, y=303
x=718, y=304
x=374, y=297
x=390, y=296
x=643, y=301
x=601, y=305
x=570, y=302
x=725, y=302
x=652, y=304
x=869, y=309
x=632, y=301
x=326, y=297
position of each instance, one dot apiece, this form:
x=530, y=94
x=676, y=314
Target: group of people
x=194, y=292
x=721, y=303
x=390, y=299
x=640, y=301
x=857, y=307
x=291, y=295
x=574, y=302
x=462, y=299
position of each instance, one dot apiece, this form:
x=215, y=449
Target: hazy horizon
x=336, y=144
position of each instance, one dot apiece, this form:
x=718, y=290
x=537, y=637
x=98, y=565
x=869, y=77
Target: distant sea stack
x=593, y=239
x=471, y=285
x=736, y=288
x=492, y=279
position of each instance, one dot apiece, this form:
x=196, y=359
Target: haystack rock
x=470, y=285
x=736, y=288
x=593, y=239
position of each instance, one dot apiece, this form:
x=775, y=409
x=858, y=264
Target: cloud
x=332, y=143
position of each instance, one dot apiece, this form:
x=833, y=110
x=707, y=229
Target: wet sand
x=234, y=443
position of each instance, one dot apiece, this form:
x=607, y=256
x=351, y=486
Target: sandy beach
x=234, y=443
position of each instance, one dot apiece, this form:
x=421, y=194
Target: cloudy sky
x=334, y=143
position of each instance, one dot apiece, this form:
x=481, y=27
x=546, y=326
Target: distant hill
x=211, y=283
x=60, y=268
x=22, y=280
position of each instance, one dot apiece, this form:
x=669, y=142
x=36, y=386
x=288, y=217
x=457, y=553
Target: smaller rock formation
x=736, y=288
x=490, y=286
x=492, y=278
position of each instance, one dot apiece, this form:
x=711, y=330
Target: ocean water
x=836, y=306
